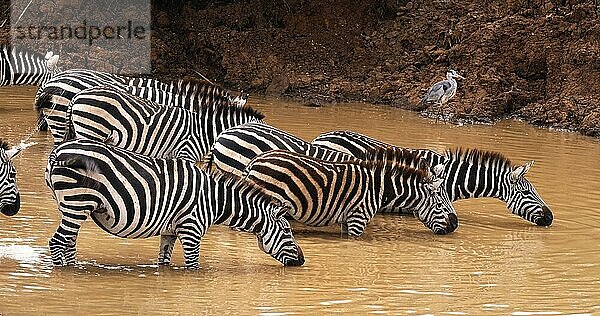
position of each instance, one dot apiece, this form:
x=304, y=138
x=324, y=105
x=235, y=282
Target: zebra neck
x=243, y=213
x=468, y=179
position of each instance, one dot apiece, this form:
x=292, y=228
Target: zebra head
x=10, y=199
x=522, y=199
x=436, y=210
x=276, y=237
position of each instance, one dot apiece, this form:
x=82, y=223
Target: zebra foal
x=121, y=119
x=350, y=193
x=469, y=173
x=134, y=196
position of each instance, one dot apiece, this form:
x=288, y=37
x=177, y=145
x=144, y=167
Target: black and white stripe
x=53, y=98
x=23, y=67
x=10, y=199
x=470, y=173
x=237, y=146
x=121, y=119
x=351, y=192
x=134, y=196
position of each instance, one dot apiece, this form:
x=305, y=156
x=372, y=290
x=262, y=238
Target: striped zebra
x=134, y=196
x=121, y=119
x=350, y=193
x=470, y=173
x=236, y=147
x=22, y=67
x=61, y=89
x=10, y=199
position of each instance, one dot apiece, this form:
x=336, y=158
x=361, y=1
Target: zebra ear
x=438, y=170
x=520, y=171
x=52, y=62
x=435, y=185
x=13, y=152
x=281, y=209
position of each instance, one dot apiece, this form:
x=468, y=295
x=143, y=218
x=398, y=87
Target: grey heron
x=442, y=91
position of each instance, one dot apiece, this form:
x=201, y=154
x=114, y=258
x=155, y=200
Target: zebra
x=135, y=196
x=10, y=198
x=236, y=147
x=350, y=193
x=61, y=89
x=22, y=67
x=121, y=119
x=470, y=173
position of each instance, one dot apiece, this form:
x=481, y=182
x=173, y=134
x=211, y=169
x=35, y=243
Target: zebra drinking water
x=134, y=196
x=60, y=90
x=234, y=148
x=22, y=67
x=469, y=173
x=351, y=192
x=121, y=119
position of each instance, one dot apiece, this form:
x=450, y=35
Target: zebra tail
x=69, y=127
x=43, y=102
x=207, y=161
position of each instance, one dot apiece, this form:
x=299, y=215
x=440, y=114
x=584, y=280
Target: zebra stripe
x=236, y=147
x=133, y=196
x=322, y=193
x=52, y=99
x=22, y=67
x=470, y=173
x=118, y=118
x=10, y=199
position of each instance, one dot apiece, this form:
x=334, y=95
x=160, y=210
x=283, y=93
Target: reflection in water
x=495, y=263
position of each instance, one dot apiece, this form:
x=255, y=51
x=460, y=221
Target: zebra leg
x=167, y=242
x=191, y=249
x=357, y=222
x=62, y=243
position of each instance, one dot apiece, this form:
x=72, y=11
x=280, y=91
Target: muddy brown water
x=495, y=263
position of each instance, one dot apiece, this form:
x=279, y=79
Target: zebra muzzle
x=12, y=209
x=545, y=218
x=296, y=262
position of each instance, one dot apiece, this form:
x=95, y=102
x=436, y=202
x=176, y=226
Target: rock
x=278, y=86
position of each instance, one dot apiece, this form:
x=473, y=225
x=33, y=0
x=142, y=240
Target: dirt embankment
x=536, y=60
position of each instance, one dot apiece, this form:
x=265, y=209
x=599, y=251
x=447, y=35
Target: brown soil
x=534, y=60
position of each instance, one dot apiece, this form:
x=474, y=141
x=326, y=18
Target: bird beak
x=459, y=76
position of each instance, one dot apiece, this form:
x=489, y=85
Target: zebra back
x=236, y=147
x=109, y=115
x=23, y=67
x=189, y=95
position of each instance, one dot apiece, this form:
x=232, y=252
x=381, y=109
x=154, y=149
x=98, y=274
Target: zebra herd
x=147, y=158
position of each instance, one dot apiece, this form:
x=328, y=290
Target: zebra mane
x=395, y=160
x=4, y=145
x=235, y=181
x=234, y=108
x=478, y=156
